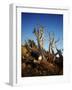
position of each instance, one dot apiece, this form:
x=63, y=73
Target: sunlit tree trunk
x=39, y=34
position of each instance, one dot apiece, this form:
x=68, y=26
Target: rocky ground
x=33, y=64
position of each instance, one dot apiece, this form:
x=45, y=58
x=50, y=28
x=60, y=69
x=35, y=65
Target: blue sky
x=50, y=22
